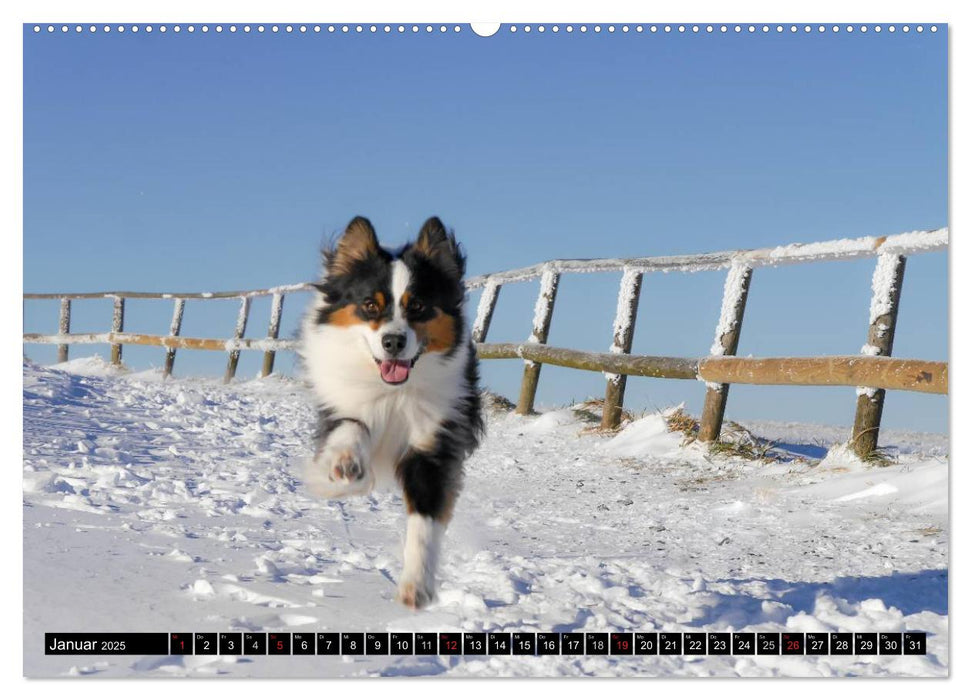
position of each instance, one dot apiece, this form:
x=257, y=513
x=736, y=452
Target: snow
x=177, y=505
x=544, y=304
x=276, y=311
x=731, y=297
x=646, y=436
x=177, y=313
x=915, y=242
x=883, y=286
x=624, y=317
x=242, y=317
x=921, y=488
x=93, y=366
x=486, y=304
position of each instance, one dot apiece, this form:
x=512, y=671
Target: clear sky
x=206, y=162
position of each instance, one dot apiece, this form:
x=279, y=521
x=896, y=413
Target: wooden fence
x=872, y=372
x=117, y=337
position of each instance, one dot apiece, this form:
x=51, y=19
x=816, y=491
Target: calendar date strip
x=488, y=643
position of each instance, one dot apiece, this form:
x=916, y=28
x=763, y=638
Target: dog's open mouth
x=395, y=371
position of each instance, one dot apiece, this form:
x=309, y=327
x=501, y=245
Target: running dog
x=387, y=351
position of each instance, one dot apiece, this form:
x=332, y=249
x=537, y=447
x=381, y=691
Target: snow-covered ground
x=177, y=506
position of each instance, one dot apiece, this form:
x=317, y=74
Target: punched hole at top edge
x=485, y=28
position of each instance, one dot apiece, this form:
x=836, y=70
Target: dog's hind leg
x=431, y=487
x=340, y=465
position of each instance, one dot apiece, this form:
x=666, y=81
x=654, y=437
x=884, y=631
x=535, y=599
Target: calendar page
x=437, y=349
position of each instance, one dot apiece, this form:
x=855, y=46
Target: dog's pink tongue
x=394, y=371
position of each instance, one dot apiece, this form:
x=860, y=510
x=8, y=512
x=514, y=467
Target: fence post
x=888, y=278
x=542, y=315
x=276, y=311
x=63, y=328
x=726, y=343
x=117, y=326
x=483, y=315
x=237, y=334
x=627, y=300
x=174, y=330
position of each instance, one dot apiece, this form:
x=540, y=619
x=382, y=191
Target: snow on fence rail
x=872, y=372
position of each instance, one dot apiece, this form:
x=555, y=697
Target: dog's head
x=396, y=307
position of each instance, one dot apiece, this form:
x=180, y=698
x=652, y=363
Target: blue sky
x=212, y=161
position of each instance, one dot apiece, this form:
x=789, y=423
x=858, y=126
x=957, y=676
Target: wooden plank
x=182, y=343
x=542, y=315
x=483, y=315
x=174, y=329
x=839, y=370
x=63, y=328
x=831, y=370
x=240, y=331
x=628, y=298
x=276, y=311
x=639, y=365
x=851, y=370
x=888, y=279
x=726, y=343
x=117, y=326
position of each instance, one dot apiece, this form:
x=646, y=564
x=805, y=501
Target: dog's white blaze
x=400, y=279
x=423, y=544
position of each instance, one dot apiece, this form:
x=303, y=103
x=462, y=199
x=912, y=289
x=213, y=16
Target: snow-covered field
x=177, y=506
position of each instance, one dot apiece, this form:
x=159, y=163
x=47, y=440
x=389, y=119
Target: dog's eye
x=370, y=307
x=415, y=306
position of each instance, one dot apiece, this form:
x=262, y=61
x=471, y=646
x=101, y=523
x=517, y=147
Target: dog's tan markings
x=437, y=334
x=405, y=298
x=380, y=300
x=358, y=243
x=344, y=316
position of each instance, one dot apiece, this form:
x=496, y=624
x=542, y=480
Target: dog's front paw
x=337, y=472
x=347, y=467
x=415, y=595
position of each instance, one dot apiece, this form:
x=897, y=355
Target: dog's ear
x=439, y=246
x=358, y=242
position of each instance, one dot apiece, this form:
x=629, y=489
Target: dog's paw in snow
x=415, y=594
x=340, y=467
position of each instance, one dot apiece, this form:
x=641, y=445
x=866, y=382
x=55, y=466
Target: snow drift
x=176, y=505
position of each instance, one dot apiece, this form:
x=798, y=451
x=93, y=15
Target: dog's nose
x=393, y=343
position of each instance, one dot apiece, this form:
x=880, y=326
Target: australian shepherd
x=387, y=351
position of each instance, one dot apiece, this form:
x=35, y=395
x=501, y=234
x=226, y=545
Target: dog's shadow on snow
x=909, y=592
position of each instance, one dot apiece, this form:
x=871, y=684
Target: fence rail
x=837, y=249
x=828, y=370
x=873, y=372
